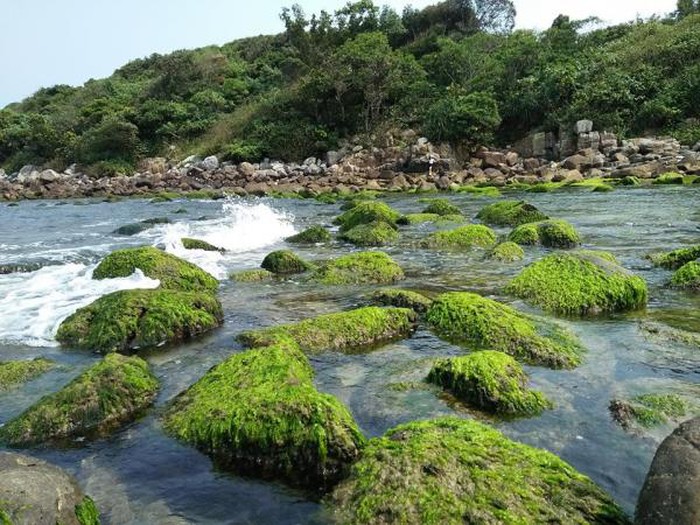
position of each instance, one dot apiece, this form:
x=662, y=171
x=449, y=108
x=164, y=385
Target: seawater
x=141, y=476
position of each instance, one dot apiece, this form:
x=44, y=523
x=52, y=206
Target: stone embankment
x=400, y=162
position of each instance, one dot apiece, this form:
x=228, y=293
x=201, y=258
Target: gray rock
x=539, y=144
x=3, y=175
x=246, y=169
x=210, y=163
x=47, y=176
x=189, y=161
x=332, y=158
x=671, y=490
x=583, y=126
x=34, y=492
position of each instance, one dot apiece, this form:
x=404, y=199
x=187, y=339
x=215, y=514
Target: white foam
x=32, y=305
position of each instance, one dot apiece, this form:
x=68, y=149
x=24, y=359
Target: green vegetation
x=251, y=276
x=419, y=218
x=284, y=262
x=366, y=212
x=371, y=234
x=131, y=320
x=630, y=181
x=481, y=323
x=510, y=213
x=441, y=207
x=462, y=238
x=687, y=276
x=108, y=394
x=403, y=299
x=344, y=331
x=648, y=410
x=580, y=283
x=13, y=373
x=455, y=471
x=553, y=233
x=198, y=244
x=259, y=413
x=172, y=272
x=506, y=252
x=491, y=381
x=86, y=512
x=668, y=178
x=359, y=268
x=676, y=258
x=312, y=235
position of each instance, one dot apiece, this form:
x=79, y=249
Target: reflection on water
x=142, y=476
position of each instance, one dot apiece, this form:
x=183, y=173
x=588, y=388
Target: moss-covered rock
x=481, y=323
x=491, y=381
x=675, y=259
x=402, y=298
x=86, y=512
x=366, y=212
x=553, y=233
x=648, y=410
x=131, y=320
x=510, y=213
x=172, y=272
x=451, y=471
x=312, y=235
x=344, y=331
x=105, y=396
x=284, y=262
x=420, y=218
x=251, y=276
x=376, y=233
x=359, y=268
x=687, y=276
x=198, y=244
x=630, y=180
x=668, y=178
x=462, y=238
x=506, y=252
x=442, y=207
x=259, y=413
x=13, y=373
x=579, y=283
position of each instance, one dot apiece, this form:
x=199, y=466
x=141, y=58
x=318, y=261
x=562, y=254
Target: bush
x=472, y=118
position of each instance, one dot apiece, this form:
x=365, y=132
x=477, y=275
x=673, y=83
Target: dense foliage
x=455, y=70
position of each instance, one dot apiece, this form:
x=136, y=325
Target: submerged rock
x=13, y=373
x=138, y=227
x=259, y=413
x=131, y=320
x=551, y=233
x=105, y=396
x=482, y=323
x=580, y=283
x=344, y=331
x=38, y=493
x=417, y=302
x=198, y=244
x=491, y=381
x=371, y=234
x=419, y=218
x=172, y=272
x=687, y=276
x=251, y=276
x=284, y=262
x=647, y=410
x=456, y=471
x=510, y=213
x=359, y=268
x=442, y=207
x=312, y=235
x=20, y=267
x=506, y=252
x=675, y=259
x=366, y=212
x=462, y=238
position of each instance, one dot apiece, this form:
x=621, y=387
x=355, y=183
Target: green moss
x=452, y=471
x=648, y=410
x=462, y=238
x=165, y=196
x=102, y=398
x=417, y=218
x=359, y=268
x=510, y=213
x=480, y=191
x=135, y=319
x=86, y=512
x=481, y=323
x=205, y=194
x=506, y=252
x=312, y=235
x=491, y=381
x=579, y=283
x=357, y=198
x=553, y=233
x=198, y=244
x=251, y=276
x=687, y=276
x=160, y=198
x=366, y=212
x=371, y=234
x=545, y=187
x=630, y=181
x=668, y=178
x=13, y=373
x=402, y=298
x=675, y=259
x=344, y=331
x=442, y=207
x=259, y=413
x=595, y=184
x=172, y=272
x=284, y=262
x=603, y=188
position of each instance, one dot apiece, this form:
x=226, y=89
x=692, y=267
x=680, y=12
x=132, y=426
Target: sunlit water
x=141, y=476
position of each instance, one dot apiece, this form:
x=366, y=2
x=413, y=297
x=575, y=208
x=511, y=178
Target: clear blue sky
x=48, y=42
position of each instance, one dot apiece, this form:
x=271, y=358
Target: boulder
x=442, y=207
x=13, y=373
x=358, y=268
x=461, y=238
x=506, y=252
x=312, y=235
x=675, y=259
x=198, y=244
x=510, y=213
x=583, y=126
x=251, y=276
x=648, y=410
x=284, y=262
x=553, y=233
x=246, y=169
x=366, y=212
x=210, y=163
x=687, y=276
x=417, y=302
x=48, y=176
x=376, y=233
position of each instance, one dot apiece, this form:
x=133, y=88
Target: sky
x=49, y=42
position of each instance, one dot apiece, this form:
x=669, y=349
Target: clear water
x=141, y=476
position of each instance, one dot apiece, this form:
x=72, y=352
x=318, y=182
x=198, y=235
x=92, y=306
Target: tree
x=687, y=7
x=471, y=118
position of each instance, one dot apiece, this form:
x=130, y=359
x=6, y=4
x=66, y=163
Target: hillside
x=456, y=71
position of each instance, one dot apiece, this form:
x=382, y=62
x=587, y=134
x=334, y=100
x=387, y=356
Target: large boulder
x=107, y=395
x=359, y=268
x=258, y=413
x=580, y=283
x=670, y=493
x=510, y=213
x=456, y=471
x=33, y=492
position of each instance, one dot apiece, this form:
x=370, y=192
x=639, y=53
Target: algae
x=376, y=233
x=198, y=244
x=13, y=373
x=553, y=233
x=359, y=268
x=417, y=302
x=510, y=213
x=312, y=235
x=284, y=262
x=365, y=212
x=506, y=252
x=462, y=238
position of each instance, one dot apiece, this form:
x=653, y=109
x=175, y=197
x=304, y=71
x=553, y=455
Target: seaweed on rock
x=198, y=244
x=687, y=276
x=13, y=373
x=284, y=262
x=510, y=213
x=251, y=276
x=648, y=410
x=376, y=233
x=417, y=302
x=675, y=259
x=312, y=235
x=441, y=207
x=365, y=212
x=506, y=252
x=359, y=268
x=462, y=238
x=551, y=233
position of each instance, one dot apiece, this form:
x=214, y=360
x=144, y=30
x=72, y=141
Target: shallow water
x=141, y=476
